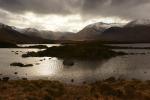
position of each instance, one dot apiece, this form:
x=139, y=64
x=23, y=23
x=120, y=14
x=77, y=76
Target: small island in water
x=84, y=51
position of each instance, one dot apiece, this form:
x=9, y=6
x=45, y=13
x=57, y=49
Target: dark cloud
x=129, y=9
x=40, y=6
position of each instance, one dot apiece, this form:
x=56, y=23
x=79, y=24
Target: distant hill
x=9, y=34
x=93, y=31
x=141, y=22
x=49, y=35
x=7, y=45
x=135, y=31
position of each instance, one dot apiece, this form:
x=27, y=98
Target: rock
x=16, y=53
x=37, y=64
x=28, y=65
x=17, y=64
x=111, y=79
x=72, y=80
x=24, y=79
x=21, y=65
x=84, y=82
x=145, y=72
x=68, y=62
x=5, y=78
x=16, y=73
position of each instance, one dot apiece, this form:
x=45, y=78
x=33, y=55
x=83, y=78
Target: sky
x=70, y=15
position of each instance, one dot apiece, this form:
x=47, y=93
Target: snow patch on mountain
x=98, y=25
x=28, y=30
x=145, y=22
x=101, y=25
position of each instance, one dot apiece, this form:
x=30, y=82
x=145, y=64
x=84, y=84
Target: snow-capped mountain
x=16, y=29
x=134, y=31
x=101, y=25
x=140, y=22
x=31, y=30
x=12, y=35
x=98, y=26
x=45, y=34
x=93, y=31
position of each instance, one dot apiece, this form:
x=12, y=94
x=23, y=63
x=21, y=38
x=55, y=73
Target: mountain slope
x=93, y=31
x=49, y=35
x=141, y=22
x=135, y=31
x=8, y=34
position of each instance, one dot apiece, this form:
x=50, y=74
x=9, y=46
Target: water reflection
x=48, y=45
x=129, y=66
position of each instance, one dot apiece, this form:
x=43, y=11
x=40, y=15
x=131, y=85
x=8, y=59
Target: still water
x=128, y=66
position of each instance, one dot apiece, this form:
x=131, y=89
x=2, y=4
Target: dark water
x=129, y=66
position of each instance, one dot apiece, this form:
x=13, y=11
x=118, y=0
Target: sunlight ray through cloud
x=71, y=23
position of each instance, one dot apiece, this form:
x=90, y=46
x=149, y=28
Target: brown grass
x=109, y=89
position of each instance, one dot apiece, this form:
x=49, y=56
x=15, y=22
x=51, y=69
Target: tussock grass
x=109, y=89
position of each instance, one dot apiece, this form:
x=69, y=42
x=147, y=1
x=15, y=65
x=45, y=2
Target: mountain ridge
x=8, y=34
x=134, y=31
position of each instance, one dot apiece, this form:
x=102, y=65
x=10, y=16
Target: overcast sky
x=70, y=15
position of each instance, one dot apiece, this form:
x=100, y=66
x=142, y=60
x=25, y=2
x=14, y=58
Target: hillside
x=93, y=31
x=7, y=33
x=135, y=31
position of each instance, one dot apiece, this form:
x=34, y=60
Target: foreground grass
x=77, y=51
x=109, y=89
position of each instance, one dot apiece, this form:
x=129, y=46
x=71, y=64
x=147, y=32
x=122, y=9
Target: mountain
x=141, y=22
x=90, y=32
x=29, y=32
x=9, y=34
x=93, y=31
x=134, y=31
x=49, y=35
x=4, y=44
x=56, y=35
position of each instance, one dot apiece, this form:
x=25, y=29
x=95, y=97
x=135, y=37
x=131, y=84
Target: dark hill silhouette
x=7, y=33
x=127, y=34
